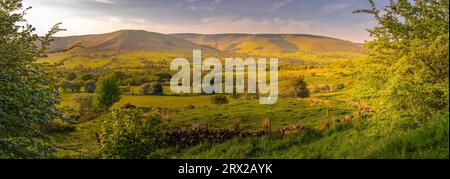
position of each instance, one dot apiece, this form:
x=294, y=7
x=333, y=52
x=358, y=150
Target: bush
x=131, y=134
x=154, y=88
x=84, y=102
x=87, y=77
x=219, y=99
x=300, y=87
x=340, y=86
x=108, y=92
x=89, y=86
x=72, y=86
x=58, y=126
x=71, y=76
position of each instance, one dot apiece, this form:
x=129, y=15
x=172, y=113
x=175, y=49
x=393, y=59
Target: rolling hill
x=138, y=48
x=264, y=44
x=125, y=48
x=127, y=40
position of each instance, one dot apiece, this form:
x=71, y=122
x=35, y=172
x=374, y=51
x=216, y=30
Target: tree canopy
x=27, y=96
x=406, y=74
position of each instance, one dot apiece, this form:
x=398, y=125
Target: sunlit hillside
x=138, y=48
x=125, y=48
x=265, y=44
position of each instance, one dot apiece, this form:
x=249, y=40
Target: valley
x=335, y=122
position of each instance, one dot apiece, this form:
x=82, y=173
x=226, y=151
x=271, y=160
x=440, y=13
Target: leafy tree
x=219, y=99
x=27, y=97
x=71, y=76
x=130, y=134
x=64, y=85
x=300, y=88
x=107, y=92
x=87, y=77
x=89, y=86
x=75, y=86
x=406, y=74
x=154, y=88
x=85, y=103
x=164, y=77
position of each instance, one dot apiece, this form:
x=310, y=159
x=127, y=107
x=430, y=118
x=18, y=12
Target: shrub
x=89, y=86
x=219, y=99
x=84, y=102
x=64, y=85
x=58, y=126
x=107, y=92
x=74, y=86
x=131, y=134
x=154, y=88
x=340, y=86
x=300, y=87
x=126, y=90
x=71, y=76
x=87, y=77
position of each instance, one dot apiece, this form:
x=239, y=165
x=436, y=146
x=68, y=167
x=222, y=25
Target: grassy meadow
x=339, y=126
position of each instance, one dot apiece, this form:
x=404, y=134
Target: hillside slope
x=272, y=43
x=128, y=40
x=138, y=48
x=122, y=49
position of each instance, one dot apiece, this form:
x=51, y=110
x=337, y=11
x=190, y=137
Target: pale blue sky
x=332, y=18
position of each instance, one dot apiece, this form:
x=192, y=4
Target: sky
x=333, y=18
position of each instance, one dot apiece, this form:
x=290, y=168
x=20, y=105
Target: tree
x=107, y=92
x=164, y=76
x=27, y=96
x=75, y=86
x=300, y=87
x=154, y=88
x=64, y=85
x=87, y=77
x=71, y=76
x=89, y=86
x=405, y=76
x=131, y=134
x=85, y=103
x=219, y=99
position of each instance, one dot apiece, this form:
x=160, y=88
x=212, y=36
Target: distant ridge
x=127, y=40
x=271, y=43
x=139, y=48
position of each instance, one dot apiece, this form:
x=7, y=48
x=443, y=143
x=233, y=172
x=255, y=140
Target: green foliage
x=89, y=86
x=71, y=76
x=340, y=86
x=154, y=88
x=164, y=77
x=75, y=86
x=64, y=84
x=87, y=77
x=27, y=99
x=131, y=134
x=84, y=102
x=219, y=99
x=429, y=141
x=300, y=88
x=406, y=74
x=107, y=92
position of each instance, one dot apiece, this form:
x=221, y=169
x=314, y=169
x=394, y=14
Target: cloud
x=335, y=7
x=280, y=3
x=106, y=2
x=212, y=25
